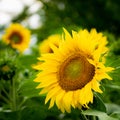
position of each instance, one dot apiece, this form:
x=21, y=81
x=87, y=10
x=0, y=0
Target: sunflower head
x=7, y=70
x=17, y=36
x=45, y=48
x=74, y=70
x=45, y=45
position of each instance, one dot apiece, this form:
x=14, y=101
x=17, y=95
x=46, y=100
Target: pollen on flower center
x=75, y=72
x=15, y=38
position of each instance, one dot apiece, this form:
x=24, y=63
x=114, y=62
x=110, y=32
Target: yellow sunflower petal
x=59, y=97
x=52, y=102
x=46, y=89
x=67, y=35
x=95, y=86
x=51, y=93
x=86, y=98
x=67, y=99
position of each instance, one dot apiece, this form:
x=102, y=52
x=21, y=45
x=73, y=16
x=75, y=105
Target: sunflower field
x=59, y=60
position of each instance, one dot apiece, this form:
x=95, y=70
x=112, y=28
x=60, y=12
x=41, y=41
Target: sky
x=12, y=8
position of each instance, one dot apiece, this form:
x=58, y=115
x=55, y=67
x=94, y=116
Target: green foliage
x=98, y=104
x=101, y=115
x=28, y=87
x=27, y=61
x=100, y=14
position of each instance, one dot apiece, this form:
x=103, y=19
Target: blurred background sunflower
x=17, y=36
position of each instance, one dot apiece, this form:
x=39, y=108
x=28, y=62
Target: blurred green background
x=54, y=14
x=49, y=17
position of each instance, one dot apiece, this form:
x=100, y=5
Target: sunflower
x=7, y=70
x=17, y=36
x=45, y=45
x=73, y=70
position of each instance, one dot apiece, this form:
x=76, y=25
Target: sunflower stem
x=94, y=117
x=23, y=101
x=84, y=116
x=5, y=99
x=5, y=92
x=13, y=95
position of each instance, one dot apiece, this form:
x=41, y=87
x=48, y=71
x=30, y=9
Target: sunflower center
x=5, y=68
x=16, y=38
x=75, y=72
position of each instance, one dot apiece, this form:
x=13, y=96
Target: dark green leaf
x=28, y=87
x=113, y=110
x=98, y=104
x=28, y=60
x=8, y=115
x=101, y=115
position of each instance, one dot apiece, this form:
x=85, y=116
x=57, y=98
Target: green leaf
x=28, y=60
x=112, y=107
x=98, y=104
x=113, y=110
x=8, y=115
x=37, y=110
x=99, y=114
x=117, y=87
x=28, y=87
